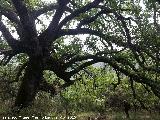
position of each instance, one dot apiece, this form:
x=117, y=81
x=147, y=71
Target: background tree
x=122, y=34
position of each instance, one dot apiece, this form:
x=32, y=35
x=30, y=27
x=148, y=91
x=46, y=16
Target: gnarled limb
x=51, y=33
x=58, y=68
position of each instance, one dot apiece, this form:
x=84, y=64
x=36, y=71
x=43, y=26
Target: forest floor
x=139, y=115
x=110, y=115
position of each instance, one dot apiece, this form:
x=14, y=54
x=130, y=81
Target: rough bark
x=29, y=87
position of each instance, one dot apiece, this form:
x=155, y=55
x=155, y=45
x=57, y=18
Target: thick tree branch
x=113, y=39
x=26, y=19
x=118, y=59
x=136, y=52
x=8, y=54
x=46, y=9
x=54, y=27
x=78, y=59
x=59, y=12
x=135, y=49
x=8, y=37
x=57, y=66
x=12, y=16
x=82, y=66
x=64, y=32
x=77, y=12
x=88, y=20
x=51, y=32
x=138, y=76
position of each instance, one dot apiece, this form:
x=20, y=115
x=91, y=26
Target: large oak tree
x=123, y=34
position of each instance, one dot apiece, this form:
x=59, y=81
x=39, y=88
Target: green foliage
x=87, y=95
x=95, y=91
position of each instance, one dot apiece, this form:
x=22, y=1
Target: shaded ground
x=110, y=115
x=141, y=115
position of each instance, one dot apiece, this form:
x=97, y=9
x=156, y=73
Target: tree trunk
x=30, y=83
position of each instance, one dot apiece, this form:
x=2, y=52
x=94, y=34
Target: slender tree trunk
x=30, y=83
